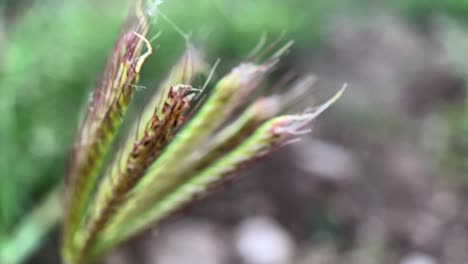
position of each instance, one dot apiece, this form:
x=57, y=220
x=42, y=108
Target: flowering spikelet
x=126, y=172
x=163, y=116
x=272, y=134
x=108, y=104
x=227, y=93
x=181, y=146
x=221, y=143
x=186, y=69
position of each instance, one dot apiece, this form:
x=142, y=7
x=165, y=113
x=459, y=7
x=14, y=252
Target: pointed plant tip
x=211, y=74
x=247, y=73
x=321, y=108
x=291, y=124
x=295, y=125
x=274, y=59
x=260, y=45
x=283, y=50
x=270, y=63
x=188, y=91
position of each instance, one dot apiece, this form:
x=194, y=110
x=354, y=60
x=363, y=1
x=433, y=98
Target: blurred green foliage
x=49, y=62
x=424, y=9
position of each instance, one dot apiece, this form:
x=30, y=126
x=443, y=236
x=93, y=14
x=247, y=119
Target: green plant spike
x=222, y=142
x=227, y=92
x=163, y=116
x=126, y=172
x=108, y=106
x=272, y=134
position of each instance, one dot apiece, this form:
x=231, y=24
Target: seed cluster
x=185, y=143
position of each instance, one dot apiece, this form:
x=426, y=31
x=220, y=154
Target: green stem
x=27, y=237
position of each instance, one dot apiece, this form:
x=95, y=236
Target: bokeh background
x=382, y=179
